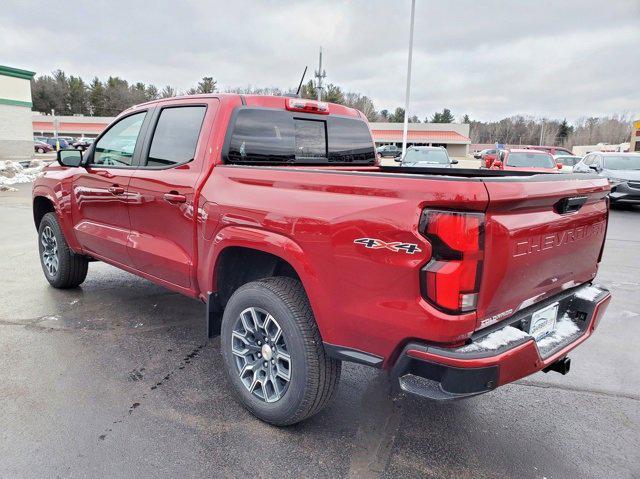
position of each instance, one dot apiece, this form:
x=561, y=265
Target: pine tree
x=168, y=92
x=78, y=96
x=96, y=97
x=207, y=85
x=444, y=117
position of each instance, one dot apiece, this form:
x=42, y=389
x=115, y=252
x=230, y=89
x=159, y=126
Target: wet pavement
x=115, y=379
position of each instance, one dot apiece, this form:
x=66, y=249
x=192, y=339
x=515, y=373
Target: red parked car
x=526, y=160
x=273, y=212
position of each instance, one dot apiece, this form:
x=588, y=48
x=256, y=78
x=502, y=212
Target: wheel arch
x=44, y=201
x=42, y=204
x=243, y=254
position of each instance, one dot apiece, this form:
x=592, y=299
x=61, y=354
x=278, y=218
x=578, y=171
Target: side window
x=176, y=136
x=116, y=147
x=597, y=161
x=588, y=160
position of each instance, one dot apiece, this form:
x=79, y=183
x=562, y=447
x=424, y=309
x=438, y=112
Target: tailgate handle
x=570, y=205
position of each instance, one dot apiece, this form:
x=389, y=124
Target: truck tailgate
x=543, y=234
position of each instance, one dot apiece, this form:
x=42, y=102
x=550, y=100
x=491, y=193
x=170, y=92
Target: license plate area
x=543, y=321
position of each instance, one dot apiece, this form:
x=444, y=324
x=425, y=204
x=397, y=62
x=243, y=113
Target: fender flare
x=63, y=212
x=268, y=242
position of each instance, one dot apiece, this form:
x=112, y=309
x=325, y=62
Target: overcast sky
x=488, y=59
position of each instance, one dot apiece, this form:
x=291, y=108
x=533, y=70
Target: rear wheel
x=41, y=150
x=273, y=352
x=61, y=266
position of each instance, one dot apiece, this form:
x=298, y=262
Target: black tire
x=71, y=268
x=314, y=375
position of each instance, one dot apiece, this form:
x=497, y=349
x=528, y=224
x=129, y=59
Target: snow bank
x=496, y=340
x=588, y=293
x=12, y=172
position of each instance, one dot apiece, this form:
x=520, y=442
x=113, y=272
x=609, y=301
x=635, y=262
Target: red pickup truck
x=274, y=213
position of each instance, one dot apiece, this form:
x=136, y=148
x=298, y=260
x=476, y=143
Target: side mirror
x=71, y=158
x=497, y=164
x=594, y=167
x=477, y=156
x=454, y=162
x=398, y=159
x=559, y=166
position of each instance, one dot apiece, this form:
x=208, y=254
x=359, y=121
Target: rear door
x=543, y=234
x=162, y=240
x=101, y=191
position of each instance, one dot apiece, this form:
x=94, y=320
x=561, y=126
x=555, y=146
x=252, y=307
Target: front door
x=163, y=219
x=101, y=213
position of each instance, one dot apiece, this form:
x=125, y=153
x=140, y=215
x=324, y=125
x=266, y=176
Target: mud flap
x=213, y=315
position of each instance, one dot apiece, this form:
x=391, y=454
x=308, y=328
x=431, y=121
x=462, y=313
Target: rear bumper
x=443, y=374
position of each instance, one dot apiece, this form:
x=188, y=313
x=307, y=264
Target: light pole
x=408, y=92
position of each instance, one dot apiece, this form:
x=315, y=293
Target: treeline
x=69, y=95
x=521, y=130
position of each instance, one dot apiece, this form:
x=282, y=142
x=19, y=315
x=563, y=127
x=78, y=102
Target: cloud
x=488, y=59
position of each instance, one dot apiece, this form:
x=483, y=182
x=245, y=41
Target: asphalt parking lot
x=115, y=379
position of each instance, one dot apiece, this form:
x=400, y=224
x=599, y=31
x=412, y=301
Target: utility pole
x=320, y=75
x=541, y=132
x=408, y=92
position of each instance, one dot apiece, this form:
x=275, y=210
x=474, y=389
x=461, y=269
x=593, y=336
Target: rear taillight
x=309, y=106
x=451, y=279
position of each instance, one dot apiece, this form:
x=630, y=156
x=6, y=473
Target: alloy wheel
x=260, y=352
x=50, y=251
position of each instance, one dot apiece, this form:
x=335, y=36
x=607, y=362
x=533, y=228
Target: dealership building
x=16, y=129
x=453, y=136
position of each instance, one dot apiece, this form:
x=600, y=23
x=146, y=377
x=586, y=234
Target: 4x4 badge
x=395, y=246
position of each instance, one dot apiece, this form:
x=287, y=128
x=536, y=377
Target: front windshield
x=622, y=162
x=438, y=157
x=530, y=160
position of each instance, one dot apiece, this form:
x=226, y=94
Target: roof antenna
x=301, y=80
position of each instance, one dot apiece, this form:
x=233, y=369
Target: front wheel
x=273, y=352
x=61, y=266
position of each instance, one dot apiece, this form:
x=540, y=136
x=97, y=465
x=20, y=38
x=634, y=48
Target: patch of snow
x=7, y=188
x=564, y=328
x=496, y=340
x=75, y=301
x=12, y=172
x=588, y=293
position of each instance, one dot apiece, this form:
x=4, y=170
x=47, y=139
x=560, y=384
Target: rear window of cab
x=265, y=136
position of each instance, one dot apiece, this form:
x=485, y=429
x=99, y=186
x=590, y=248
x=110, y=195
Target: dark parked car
x=82, y=144
x=389, y=151
x=622, y=170
x=41, y=147
x=61, y=141
x=427, y=157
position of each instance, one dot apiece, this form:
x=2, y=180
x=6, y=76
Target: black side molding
x=352, y=355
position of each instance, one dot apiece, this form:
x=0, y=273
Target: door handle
x=116, y=190
x=174, y=198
